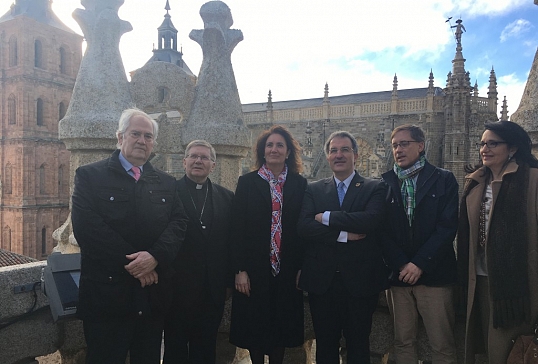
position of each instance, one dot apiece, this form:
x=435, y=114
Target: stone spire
x=458, y=77
x=504, y=110
x=492, y=92
x=431, y=89
x=326, y=104
x=326, y=93
x=216, y=115
x=458, y=103
x=269, y=101
x=394, y=97
x=270, y=117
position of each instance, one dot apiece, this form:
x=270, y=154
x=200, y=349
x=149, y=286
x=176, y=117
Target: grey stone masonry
x=216, y=115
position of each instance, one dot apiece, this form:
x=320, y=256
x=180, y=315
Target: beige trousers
x=436, y=307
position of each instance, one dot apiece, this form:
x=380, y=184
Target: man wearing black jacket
x=422, y=223
x=202, y=265
x=129, y=223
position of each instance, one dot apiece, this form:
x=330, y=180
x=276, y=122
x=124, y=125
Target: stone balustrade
x=36, y=334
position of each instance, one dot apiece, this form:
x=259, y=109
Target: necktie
x=136, y=171
x=341, y=192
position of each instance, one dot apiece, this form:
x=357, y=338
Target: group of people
x=160, y=255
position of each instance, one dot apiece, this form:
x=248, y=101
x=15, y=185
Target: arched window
x=163, y=95
x=12, y=110
x=63, y=61
x=44, y=241
x=61, y=110
x=8, y=175
x=13, y=52
x=6, y=237
x=38, y=52
x=42, y=184
x=39, y=112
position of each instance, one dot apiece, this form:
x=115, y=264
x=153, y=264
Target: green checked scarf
x=409, y=185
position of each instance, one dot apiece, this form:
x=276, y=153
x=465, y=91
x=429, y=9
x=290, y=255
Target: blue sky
x=294, y=46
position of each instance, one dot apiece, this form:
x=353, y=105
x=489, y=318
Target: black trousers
x=336, y=312
x=190, y=331
x=109, y=342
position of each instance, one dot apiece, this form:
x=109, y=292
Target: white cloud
x=486, y=7
x=294, y=47
x=515, y=28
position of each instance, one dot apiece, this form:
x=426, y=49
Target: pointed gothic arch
x=13, y=51
x=42, y=179
x=8, y=179
x=43, y=241
x=62, y=109
x=38, y=54
x=12, y=110
x=39, y=111
x=6, y=238
x=63, y=61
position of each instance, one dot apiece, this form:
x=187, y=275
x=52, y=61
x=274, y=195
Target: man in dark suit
x=202, y=272
x=343, y=271
x=129, y=223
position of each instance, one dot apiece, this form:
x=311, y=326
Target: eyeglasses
x=136, y=135
x=343, y=150
x=491, y=144
x=203, y=158
x=404, y=144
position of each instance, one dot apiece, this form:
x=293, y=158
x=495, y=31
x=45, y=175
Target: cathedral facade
x=39, y=60
x=452, y=117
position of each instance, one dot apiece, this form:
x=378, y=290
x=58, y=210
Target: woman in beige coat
x=498, y=242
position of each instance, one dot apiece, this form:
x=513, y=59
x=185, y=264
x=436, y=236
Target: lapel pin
x=357, y=184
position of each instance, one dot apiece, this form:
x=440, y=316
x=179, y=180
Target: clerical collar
x=195, y=185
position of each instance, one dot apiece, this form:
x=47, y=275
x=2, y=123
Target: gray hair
x=201, y=143
x=341, y=134
x=125, y=121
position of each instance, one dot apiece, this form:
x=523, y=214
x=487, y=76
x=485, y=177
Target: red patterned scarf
x=277, y=200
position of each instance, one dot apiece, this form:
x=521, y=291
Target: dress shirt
x=342, y=238
x=127, y=165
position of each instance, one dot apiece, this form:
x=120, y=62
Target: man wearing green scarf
x=422, y=206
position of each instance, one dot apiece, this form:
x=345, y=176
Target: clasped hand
x=142, y=267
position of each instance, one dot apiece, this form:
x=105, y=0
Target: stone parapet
x=36, y=335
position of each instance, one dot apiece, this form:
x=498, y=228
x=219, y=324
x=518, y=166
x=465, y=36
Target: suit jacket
x=204, y=256
x=113, y=216
x=428, y=242
x=360, y=262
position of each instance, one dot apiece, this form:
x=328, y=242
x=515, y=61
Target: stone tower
x=39, y=61
x=464, y=114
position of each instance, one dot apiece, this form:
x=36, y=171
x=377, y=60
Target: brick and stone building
x=39, y=60
x=452, y=118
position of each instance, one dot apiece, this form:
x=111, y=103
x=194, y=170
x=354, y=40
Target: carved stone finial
x=101, y=79
x=216, y=115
